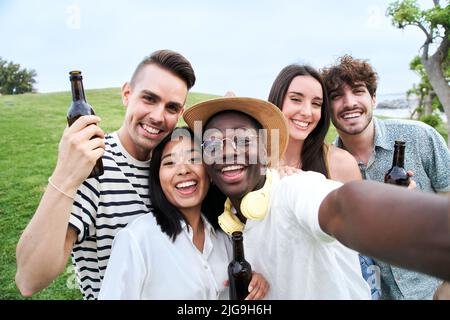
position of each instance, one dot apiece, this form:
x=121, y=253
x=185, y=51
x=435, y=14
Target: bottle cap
x=75, y=75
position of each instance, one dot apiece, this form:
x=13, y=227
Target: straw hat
x=267, y=114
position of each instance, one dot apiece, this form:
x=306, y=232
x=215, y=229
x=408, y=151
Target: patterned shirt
x=427, y=155
x=102, y=207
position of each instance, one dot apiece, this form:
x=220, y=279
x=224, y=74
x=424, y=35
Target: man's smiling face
x=352, y=108
x=237, y=170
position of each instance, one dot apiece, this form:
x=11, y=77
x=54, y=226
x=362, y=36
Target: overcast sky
x=232, y=45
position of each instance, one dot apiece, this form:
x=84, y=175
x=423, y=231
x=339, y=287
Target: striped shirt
x=103, y=206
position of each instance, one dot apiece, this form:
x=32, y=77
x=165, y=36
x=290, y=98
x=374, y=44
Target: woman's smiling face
x=183, y=178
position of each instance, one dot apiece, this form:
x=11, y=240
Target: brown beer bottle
x=78, y=108
x=397, y=174
x=239, y=270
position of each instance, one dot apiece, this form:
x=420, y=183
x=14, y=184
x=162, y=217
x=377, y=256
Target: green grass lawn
x=30, y=128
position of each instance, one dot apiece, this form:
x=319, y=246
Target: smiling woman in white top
x=176, y=252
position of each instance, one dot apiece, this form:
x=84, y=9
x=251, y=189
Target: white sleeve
x=126, y=270
x=306, y=192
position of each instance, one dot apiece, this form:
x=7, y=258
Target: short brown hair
x=171, y=61
x=350, y=71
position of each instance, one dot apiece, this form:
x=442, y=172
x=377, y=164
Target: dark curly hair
x=350, y=71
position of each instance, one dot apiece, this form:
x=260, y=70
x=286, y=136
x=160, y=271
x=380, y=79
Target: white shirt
x=146, y=264
x=296, y=257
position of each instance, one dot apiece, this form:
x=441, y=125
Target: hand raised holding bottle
x=82, y=145
x=79, y=149
x=79, y=107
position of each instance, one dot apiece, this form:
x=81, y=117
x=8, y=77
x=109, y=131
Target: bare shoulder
x=343, y=166
x=338, y=154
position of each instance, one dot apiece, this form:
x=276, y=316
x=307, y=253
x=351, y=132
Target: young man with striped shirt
x=80, y=216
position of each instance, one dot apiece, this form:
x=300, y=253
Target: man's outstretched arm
x=403, y=227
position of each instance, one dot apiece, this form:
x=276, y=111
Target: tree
x=428, y=102
x=14, y=80
x=435, y=24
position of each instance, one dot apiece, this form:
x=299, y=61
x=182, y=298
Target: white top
x=296, y=257
x=146, y=264
x=102, y=207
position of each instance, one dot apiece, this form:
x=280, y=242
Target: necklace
x=361, y=160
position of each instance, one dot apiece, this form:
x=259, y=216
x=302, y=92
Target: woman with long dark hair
x=177, y=251
x=299, y=92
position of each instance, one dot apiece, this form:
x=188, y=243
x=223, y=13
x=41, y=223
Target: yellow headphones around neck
x=254, y=206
